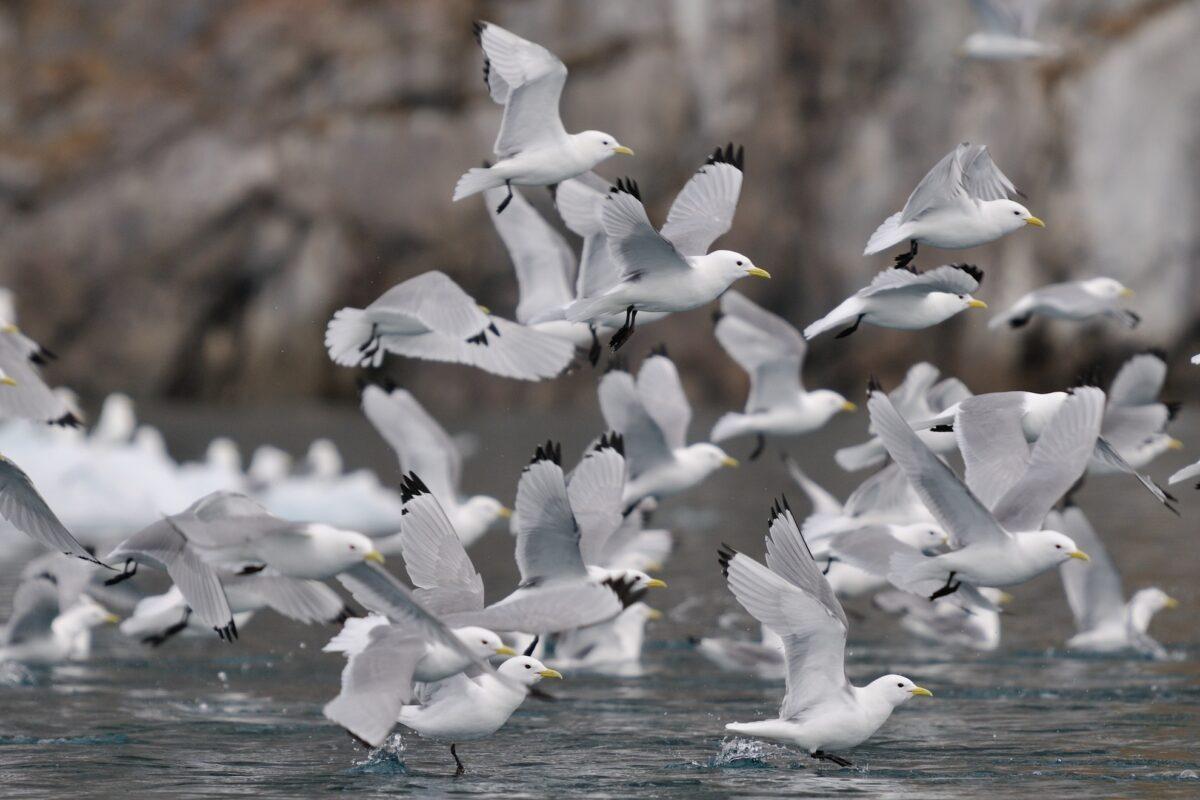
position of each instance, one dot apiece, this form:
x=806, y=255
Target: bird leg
x=950, y=588
x=829, y=565
x=157, y=639
x=594, y=352
x=461, y=769
x=625, y=331
x=125, y=575
x=504, y=203
x=904, y=259
x=821, y=755
x=852, y=328
x=759, y=446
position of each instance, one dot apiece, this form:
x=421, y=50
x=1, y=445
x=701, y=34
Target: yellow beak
x=758, y=273
x=505, y=512
x=375, y=556
x=1127, y=292
x=625, y=151
x=1082, y=556
x=973, y=303
x=505, y=650
x=729, y=461
x=654, y=613
x=10, y=329
x=551, y=673
x=1005, y=598
x=111, y=619
x=7, y=381
x=1171, y=602
x=848, y=406
x=920, y=691
x=1036, y=222
x=483, y=308
x=1174, y=444
x=655, y=583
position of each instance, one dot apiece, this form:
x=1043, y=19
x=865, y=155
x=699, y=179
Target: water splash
x=14, y=674
x=387, y=759
x=739, y=753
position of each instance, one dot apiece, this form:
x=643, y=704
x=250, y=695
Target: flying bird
x=1077, y=301
x=533, y=147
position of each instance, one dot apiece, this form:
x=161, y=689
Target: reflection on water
x=201, y=716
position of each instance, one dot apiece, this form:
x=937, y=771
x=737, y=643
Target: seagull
x=23, y=392
x=1131, y=435
x=23, y=507
x=995, y=519
x=43, y=631
x=463, y=709
x=533, y=147
x=1106, y=623
x=904, y=299
x=918, y=397
x=557, y=592
x=1077, y=301
x=672, y=270
x=1008, y=32
x=431, y=317
x=821, y=710
x=652, y=414
x=424, y=447
x=771, y=352
x=962, y=202
x=765, y=658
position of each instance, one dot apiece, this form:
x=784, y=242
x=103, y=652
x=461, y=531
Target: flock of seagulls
x=934, y=548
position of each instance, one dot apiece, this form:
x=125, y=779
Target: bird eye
x=604, y=142
x=1058, y=547
x=739, y=263
x=483, y=641
x=528, y=666
x=353, y=547
x=1016, y=213
x=901, y=685
x=960, y=297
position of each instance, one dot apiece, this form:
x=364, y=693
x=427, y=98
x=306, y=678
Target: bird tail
x=351, y=339
x=730, y=425
x=861, y=456
x=586, y=309
x=913, y=571
x=476, y=180
x=354, y=636
x=886, y=235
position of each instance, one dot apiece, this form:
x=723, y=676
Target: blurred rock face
x=189, y=189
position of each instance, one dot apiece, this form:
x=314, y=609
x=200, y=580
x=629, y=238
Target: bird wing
x=789, y=556
x=23, y=507
x=547, y=534
x=544, y=262
x=941, y=187
x=1127, y=427
x=662, y=396
x=634, y=244
x=910, y=397
x=703, y=211
x=1059, y=457
x=946, y=393
x=433, y=300
x=991, y=436
x=376, y=682
x=595, y=489
x=305, y=601
x=950, y=278
x=580, y=203
x=437, y=563
x=34, y=608
x=957, y=510
x=164, y=544
x=553, y=607
x=527, y=79
x=1009, y=17
x=822, y=501
x=1093, y=589
x=645, y=444
x=769, y=349
x=420, y=443
x=887, y=490
x=981, y=178
x=1139, y=381
x=814, y=639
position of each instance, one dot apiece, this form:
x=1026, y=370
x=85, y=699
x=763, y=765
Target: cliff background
x=189, y=189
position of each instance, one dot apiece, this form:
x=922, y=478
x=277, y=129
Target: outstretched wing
x=527, y=79
x=376, y=682
x=951, y=278
x=25, y=510
x=991, y=437
x=645, y=444
x=547, y=535
x=662, y=396
x=542, y=259
x=703, y=211
x=433, y=300
x=437, y=563
x=633, y=243
x=1093, y=589
x=769, y=349
x=1139, y=381
x=981, y=178
x=595, y=489
x=420, y=443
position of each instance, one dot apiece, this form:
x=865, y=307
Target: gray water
x=202, y=718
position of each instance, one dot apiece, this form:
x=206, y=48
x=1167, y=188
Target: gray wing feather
x=991, y=437
x=703, y=210
x=305, y=601
x=662, y=396
x=434, y=300
x=1139, y=381
x=645, y=444
x=34, y=607
x=377, y=682
x=594, y=490
x=437, y=564
x=769, y=349
x=1093, y=589
x=946, y=278
x=26, y=511
x=635, y=245
x=420, y=443
x=547, y=534
x=553, y=607
x=542, y=259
